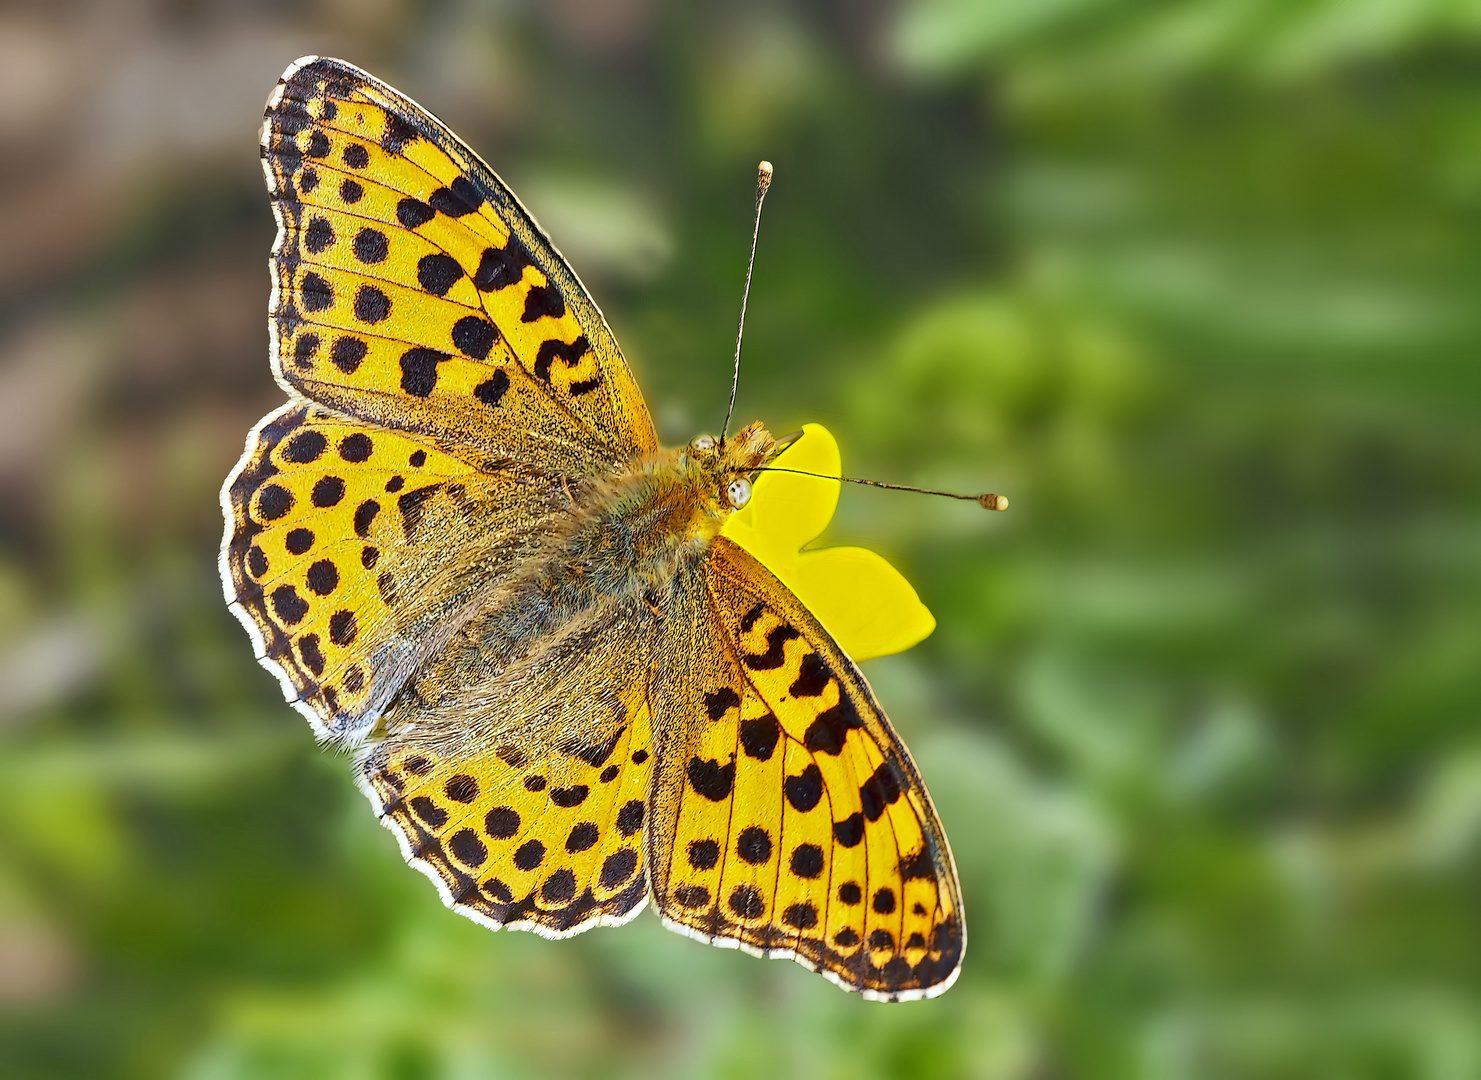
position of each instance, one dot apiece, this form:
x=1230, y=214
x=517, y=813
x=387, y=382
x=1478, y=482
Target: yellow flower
x=863, y=601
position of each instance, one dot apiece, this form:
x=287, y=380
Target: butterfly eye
x=703, y=442
x=738, y=492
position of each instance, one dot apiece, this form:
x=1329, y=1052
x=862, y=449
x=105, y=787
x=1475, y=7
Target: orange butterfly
x=462, y=551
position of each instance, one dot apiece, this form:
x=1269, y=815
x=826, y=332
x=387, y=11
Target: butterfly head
x=726, y=466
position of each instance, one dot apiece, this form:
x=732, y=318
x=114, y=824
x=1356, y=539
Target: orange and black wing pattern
x=796, y=824
x=411, y=290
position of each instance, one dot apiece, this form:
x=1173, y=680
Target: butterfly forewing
x=801, y=826
x=412, y=289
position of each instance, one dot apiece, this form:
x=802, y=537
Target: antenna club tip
x=763, y=175
x=993, y=502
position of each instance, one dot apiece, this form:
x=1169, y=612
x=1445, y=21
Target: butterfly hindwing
x=336, y=553
x=410, y=288
x=525, y=797
x=801, y=828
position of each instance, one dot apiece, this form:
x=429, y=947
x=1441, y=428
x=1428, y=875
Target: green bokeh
x=1194, y=283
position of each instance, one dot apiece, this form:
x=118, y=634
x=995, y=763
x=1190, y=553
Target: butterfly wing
x=347, y=545
x=795, y=823
x=411, y=289
x=525, y=799
x=416, y=303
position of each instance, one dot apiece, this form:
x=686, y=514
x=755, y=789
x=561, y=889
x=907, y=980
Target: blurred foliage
x=1192, y=282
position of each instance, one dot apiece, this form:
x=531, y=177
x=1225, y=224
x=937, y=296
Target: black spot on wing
x=257, y=564
x=759, y=736
x=775, y=654
x=461, y=788
x=710, y=779
x=594, y=754
x=305, y=447
x=438, y=272
x=313, y=657
x=371, y=305
x=559, y=888
x=317, y=294
x=802, y=916
x=703, y=854
x=529, y=855
x=419, y=370
x=413, y=213
x=571, y=796
x=583, y=836
x=467, y=848
x=492, y=390
x=328, y=491
x=319, y=236
x=459, y=199
x=850, y=830
x=429, y=811
x=630, y=817
x=880, y=790
x=804, y=790
x=474, y=337
x=807, y=860
x=542, y=301
x=552, y=350
x=413, y=505
x=365, y=514
x=305, y=349
x=398, y=133
x=323, y=577
x=347, y=353
x=748, y=620
x=826, y=734
x=813, y=677
x=371, y=245
x=753, y=845
x=618, y=867
x=746, y=901
x=498, y=268
x=917, y=865
x=274, y=502
x=356, y=447
x=343, y=628
x=721, y=701
x=502, y=822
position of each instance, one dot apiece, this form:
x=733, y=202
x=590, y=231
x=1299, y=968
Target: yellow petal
x=863, y=601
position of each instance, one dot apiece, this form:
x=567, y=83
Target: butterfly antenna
x=987, y=500
x=763, y=181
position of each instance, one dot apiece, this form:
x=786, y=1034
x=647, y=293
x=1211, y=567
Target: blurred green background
x=1194, y=282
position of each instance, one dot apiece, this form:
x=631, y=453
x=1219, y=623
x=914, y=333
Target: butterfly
x=460, y=548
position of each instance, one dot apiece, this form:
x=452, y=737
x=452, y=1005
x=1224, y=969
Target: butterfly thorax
x=623, y=544
x=630, y=533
